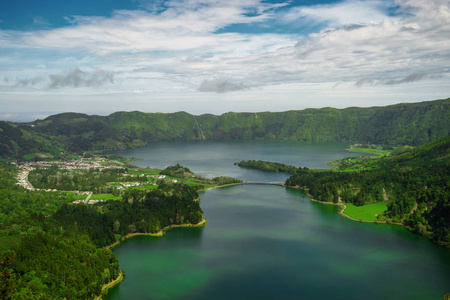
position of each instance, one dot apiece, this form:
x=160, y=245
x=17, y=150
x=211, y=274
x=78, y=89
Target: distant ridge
x=407, y=123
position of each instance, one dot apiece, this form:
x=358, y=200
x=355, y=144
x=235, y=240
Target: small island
x=268, y=166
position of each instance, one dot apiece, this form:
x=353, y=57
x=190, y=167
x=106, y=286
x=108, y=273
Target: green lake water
x=269, y=242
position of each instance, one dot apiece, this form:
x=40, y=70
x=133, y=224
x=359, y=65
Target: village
x=74, y=164
x=80, y=164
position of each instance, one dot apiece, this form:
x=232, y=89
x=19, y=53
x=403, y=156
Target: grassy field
x=145, y=171
x=105, y=197
x=71, y=194
x=366, y=212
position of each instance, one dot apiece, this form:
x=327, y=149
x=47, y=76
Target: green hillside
x=412, y=124
x=17, y=142
x=414, y=184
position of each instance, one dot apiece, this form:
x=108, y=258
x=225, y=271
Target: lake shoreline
x=342, y=208
x=160, y=233
x=107, y=286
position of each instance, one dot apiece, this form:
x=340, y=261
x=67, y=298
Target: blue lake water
x=216, y=158
x=269, y=242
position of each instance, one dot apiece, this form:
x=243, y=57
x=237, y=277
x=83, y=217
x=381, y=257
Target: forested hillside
x=411, y=124
x=21, y=143
x=415, y=185
x=51, y=248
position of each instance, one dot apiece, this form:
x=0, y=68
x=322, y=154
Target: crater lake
x=269, y=242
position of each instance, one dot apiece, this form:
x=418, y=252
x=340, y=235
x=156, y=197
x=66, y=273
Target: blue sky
x=215, y=56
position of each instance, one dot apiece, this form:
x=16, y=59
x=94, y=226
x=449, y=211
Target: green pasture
x=367, y=212
x=145, y=171
x=105, y=197
x=145, y=187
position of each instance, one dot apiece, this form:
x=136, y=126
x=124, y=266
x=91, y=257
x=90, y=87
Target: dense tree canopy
x=53, y=249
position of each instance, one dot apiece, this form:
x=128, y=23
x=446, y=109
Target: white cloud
x=343, y=13
x=392, y=49
x=378, y=46
x=182, y=26
x=174, y=48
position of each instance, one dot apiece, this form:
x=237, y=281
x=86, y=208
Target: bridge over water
x=245, y=183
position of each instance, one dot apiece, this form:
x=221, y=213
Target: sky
x=216, y=56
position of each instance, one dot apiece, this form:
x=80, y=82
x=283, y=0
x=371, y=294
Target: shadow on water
x=190, y=236
x=178, y=236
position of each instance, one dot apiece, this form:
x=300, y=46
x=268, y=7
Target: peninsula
x=408, y=187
